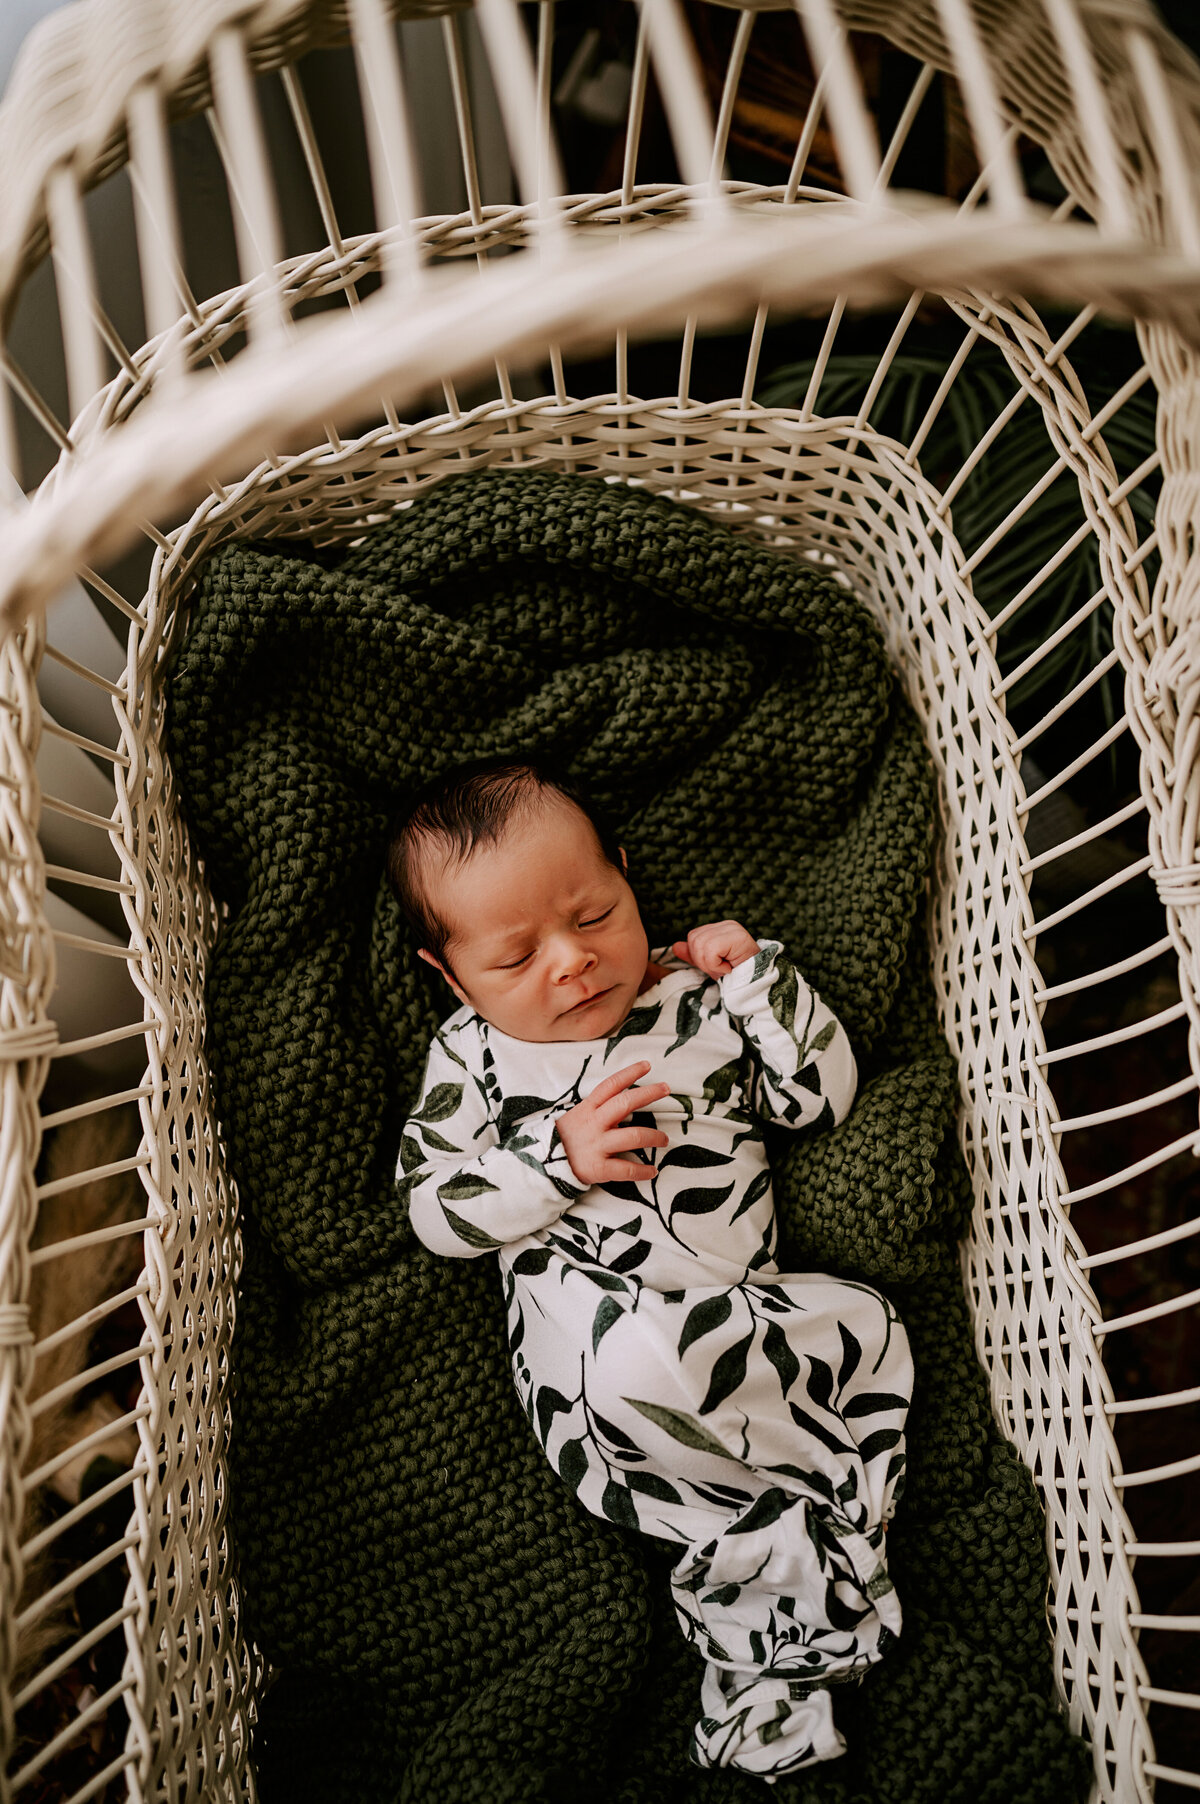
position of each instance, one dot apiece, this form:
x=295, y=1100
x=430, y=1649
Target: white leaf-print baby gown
x=679, y=1383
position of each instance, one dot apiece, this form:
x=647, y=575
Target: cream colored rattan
x=1087, y=81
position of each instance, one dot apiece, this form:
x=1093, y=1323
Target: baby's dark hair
x=470, y=807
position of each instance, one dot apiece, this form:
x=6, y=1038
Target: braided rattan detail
x=26, y=983
x=832, y=489
x=884, y=532
x=194, y=1675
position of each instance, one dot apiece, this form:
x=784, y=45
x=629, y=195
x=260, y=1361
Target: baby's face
x=546, y=939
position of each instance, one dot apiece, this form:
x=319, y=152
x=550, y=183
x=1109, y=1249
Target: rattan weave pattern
x=26, y=1035
x=829, y=488
x=884, y=533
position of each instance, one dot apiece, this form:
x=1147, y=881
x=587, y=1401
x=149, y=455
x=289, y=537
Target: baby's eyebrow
x=504, y=942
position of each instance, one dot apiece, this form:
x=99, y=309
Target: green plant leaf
x=468, y=1232
x=681, y=1428
x=608, y=1311
x=703, y=1318
x=820, y=1381
x=618, y=1505
x=411, y=1155
x=651, y=1485
x=515, y=1108
x=638, y=1021
x=548, y=1404
x=870, y=1403
x=880, y=1442
x=727, y=1374
x=851, y=1356
x=762, y=1512
x=435, y=1141
x=532, y=1263
x=440, y=1104
x=700, y=1199
x=757, y=1187
x=466, y=1184
x=687, y=1019
x=819, y=1432
x=783, y=996
x=718, y=1085
x=693, y=1157
x=572, y=1463
x=779, y=1352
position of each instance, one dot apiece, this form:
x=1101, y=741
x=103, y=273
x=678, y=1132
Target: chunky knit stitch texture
x=448, y=1623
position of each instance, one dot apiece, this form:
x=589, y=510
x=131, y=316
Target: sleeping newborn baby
x=594, y=1114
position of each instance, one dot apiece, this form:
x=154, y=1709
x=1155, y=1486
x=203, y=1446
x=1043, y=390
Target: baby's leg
x=762, y=1428
x=782, y=1602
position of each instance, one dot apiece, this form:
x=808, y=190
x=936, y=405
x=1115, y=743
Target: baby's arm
x=468, y=1191
x=805, y=1067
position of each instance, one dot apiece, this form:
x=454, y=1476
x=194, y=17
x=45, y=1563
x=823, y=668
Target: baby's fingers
x=636, y=1096
x=623, y=1140
x=626, y=1171
x=612, y=1086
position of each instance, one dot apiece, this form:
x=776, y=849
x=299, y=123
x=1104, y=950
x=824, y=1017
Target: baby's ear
x=624, y=860
x=440, y=968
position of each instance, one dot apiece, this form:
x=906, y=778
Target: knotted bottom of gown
x=763, y=1724
x=799, y=1594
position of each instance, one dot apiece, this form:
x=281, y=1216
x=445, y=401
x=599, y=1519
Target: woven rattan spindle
x=531, y=148
x=1164, y=669
x=905, y=123
x=237, y=129
x=546, y=160
x=18, y=1211
x=27, y=969
x=891, y=156
x=323, y=194
x=982, y=103
x=157, y=221
x=633, y=139
x=804, y=144
x=76, y=282
x=1180, y=202
x=681, y=89
x=851, y=124
x=10, y=450
x=1114, y=213
x=389, y=141
x=456, y=65
x=724, y=121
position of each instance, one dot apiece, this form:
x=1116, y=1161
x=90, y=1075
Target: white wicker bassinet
x=437, y=341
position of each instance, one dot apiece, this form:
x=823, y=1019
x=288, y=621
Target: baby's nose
x=573, y=959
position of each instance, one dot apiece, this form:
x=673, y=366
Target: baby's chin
x=595, y=1027
x=595, y=1022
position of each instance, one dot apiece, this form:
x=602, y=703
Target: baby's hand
x=592, y=1134
x=716, y=949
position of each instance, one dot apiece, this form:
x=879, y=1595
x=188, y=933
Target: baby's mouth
x=596, y=996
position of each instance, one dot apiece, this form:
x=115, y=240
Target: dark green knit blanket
x=446, y=1621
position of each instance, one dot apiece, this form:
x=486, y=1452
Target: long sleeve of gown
x=805, y=1068
x=468, y=1190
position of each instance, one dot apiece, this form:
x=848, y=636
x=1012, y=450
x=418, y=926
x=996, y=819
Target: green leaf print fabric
x=779, y=1498
x=444, y=1621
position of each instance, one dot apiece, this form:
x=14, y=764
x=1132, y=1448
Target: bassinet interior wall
x=850, y=498
x=827, y=488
